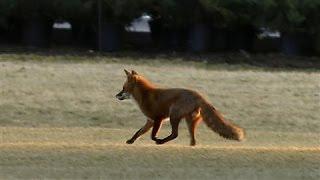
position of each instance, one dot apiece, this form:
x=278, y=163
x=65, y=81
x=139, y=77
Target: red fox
x=158, y=104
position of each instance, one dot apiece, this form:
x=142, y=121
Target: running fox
x=158, y=104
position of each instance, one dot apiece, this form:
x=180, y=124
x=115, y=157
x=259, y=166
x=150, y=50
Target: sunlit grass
x=60, y=120
x=80, y=153
x=58, y=91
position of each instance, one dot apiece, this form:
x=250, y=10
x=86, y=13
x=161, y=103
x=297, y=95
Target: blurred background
x=287, y=26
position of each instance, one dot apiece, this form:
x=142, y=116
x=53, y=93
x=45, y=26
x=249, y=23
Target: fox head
x=128, y=86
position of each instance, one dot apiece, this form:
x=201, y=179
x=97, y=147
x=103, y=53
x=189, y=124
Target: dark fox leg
x=176, y=114
x=155, y=130
x=141, y=131
x=192, y=123
x=175, y=126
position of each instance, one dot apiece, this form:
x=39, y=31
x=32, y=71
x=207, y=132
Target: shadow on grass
x=238, y=60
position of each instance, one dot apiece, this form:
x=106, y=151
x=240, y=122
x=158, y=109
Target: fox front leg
x=141, y=131
x=155, y=130
x=174, y=133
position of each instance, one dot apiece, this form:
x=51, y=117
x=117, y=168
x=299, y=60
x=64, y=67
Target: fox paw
x=130, y=141
x=159, y=141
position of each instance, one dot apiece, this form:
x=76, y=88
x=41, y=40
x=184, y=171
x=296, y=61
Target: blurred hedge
x=288, y=16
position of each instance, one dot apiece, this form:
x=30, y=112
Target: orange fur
x=158, y=104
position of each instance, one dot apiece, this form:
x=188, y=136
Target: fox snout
x=123, y=95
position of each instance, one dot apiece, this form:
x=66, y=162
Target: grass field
x=59, y=120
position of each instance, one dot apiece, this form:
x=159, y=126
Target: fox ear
x=127, y=72
x=134, y=72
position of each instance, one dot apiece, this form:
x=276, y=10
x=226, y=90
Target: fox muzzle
x=123, y=95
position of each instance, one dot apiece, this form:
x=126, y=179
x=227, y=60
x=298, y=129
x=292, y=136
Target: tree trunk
x=110, y=37
x=199, y=38
x=36, y=33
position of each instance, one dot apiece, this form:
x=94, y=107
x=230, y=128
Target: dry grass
x=59, y=119
x=100, y=153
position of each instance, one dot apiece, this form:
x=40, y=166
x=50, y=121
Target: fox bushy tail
x=217, y=123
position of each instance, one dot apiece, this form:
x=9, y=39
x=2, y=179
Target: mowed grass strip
x=83, y=137
x=81, y=153
x=165, y=162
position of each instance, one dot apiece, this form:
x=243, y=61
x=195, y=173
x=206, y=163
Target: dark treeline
x=181, y=25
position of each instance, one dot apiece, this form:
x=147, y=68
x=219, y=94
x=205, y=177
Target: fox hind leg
x=192, y=121
x=141, y=131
